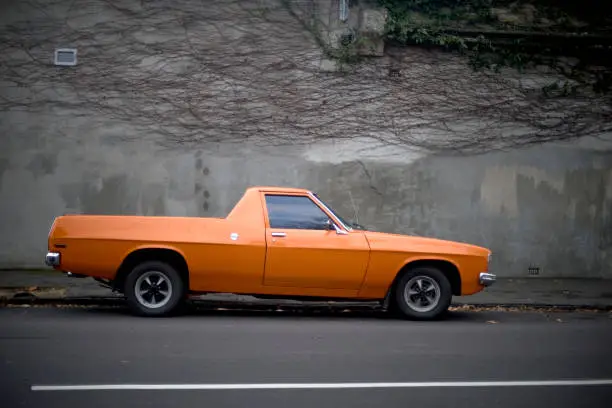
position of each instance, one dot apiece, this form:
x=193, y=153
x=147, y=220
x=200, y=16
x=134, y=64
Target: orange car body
x=243, y=254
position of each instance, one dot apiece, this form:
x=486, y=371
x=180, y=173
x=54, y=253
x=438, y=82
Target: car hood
x=409, y=243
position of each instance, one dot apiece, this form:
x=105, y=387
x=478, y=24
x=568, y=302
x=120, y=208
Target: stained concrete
x=548, y=206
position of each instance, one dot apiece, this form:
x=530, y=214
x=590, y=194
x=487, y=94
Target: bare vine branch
x=233, y=70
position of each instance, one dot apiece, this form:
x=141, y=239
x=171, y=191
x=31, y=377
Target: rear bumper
x=487, y=279
x=52, y=259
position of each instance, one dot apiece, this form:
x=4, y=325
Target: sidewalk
x=51, y=285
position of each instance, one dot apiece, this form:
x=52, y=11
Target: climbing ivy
x=427, y=22
x=442, y=24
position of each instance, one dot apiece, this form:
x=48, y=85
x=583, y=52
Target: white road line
x=279, y=386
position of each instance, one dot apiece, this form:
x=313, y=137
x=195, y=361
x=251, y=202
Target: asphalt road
x=66, y=347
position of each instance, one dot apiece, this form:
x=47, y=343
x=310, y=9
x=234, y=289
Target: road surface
x=106, y=357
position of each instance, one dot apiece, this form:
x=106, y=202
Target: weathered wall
x=548, y=206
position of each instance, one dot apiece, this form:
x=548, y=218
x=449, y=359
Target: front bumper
x=487, y=279
x=52, y=259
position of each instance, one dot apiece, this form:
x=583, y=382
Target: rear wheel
x=423, y=293
x=154, y=289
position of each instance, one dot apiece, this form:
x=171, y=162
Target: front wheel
x=154, y=289
x=423, y=293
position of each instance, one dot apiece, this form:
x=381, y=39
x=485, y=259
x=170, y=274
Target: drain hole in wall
x=533, y=270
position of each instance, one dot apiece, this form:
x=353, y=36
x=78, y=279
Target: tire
x=432, y=281
x=153, y=303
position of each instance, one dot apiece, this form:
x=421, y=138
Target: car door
x=303, y=252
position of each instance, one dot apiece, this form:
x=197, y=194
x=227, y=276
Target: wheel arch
x=447, y=267
x=169, y=255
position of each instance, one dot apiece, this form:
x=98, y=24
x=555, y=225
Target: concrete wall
x=548, y=206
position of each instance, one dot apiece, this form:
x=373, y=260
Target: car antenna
x=355, y=212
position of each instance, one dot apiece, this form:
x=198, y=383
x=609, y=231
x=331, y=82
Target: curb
x=534, y=306
x=118, y=301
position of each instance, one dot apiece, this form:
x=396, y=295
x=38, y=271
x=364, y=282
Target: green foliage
x=347, y=54
x=430, y=23
x=426, y=23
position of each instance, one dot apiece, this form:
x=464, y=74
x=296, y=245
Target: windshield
x=350, y=225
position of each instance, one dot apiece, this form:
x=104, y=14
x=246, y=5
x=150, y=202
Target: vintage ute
x=275, y=243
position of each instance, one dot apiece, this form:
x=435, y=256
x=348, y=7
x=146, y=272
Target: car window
x=342, y=220
x=295, y=212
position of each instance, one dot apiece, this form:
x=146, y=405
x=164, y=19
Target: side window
x=295, y=212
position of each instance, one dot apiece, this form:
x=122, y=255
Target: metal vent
x=533, y=270
x=347, y=39
x=395, y=73
x=66, y=56
x=343, y=11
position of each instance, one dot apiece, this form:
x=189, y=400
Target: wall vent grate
x=66, y=57
x=533, y=270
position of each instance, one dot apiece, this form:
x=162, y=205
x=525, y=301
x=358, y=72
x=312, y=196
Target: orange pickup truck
x=275, y=243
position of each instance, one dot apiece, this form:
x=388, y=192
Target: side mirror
x=331, y=226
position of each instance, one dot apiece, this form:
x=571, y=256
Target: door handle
x=279, y=234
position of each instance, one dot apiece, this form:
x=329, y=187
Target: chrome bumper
x=487, y=279
x=52, y=259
